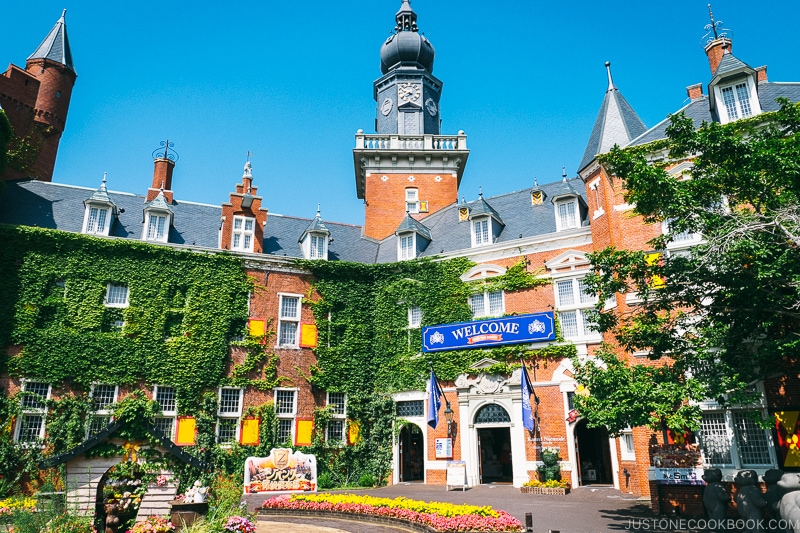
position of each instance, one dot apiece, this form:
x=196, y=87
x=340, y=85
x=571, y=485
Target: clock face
x=409, y=92
x=386, y=106
x=430, y=105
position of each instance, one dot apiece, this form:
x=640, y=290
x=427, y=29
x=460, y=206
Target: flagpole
x=448, y=412
x=528, y=381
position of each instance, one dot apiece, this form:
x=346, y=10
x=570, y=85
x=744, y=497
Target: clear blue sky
x=292, y=82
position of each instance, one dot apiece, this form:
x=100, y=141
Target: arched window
x=492, y=414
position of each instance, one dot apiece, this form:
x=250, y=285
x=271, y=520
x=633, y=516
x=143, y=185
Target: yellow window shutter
x=303, y=432
x=250, y=431
x=187, y=431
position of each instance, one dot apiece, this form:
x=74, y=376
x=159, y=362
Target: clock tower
x=407, y=166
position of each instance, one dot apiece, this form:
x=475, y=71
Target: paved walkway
x=584, y=510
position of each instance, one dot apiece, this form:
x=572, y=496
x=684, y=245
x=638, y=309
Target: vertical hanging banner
x=517, y=329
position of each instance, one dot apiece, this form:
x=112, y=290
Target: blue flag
x=434, y=402
x=528, y=421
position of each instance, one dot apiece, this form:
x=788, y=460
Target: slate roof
x=56, y=45
x=698, y=110
x=410, y=224
x=616, y=123
x=730, y=63
x=521, y=220
x=58, y=206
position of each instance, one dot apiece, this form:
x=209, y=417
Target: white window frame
x=150, y=216
x=102, y=413
x=414, y=317
x=486, y=303
x=735, y=443
x=27, y=411
x=627, y=445
x=477, y=234
x=290, y=416
x=752, y=94
x=228, y=415
x=575, y=300
x=90, y=225
x=287, y=320
x=116, y=304
x=405, y=253
x=337, y=416
x=243, y=233
x=314, y=241
x=566, y=222
x=412, y=199
x=682, y=240
x=170, y=414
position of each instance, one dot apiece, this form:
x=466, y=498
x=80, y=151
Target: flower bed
x=436, y=515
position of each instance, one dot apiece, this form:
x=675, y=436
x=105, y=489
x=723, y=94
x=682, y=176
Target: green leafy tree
x=723, y=316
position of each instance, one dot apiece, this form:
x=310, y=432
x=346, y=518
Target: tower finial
x=480, y=191
x=63, y=13
x=318, y=216
x=713, y=24
x=714, y=29
x=610, y=81
x=406, y=18
x=564, y=172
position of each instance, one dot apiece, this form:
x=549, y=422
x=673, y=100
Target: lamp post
x=448, y=415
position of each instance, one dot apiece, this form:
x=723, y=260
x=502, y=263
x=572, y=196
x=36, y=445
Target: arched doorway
x=412, y=454
x=594, y=455
x=493, y=426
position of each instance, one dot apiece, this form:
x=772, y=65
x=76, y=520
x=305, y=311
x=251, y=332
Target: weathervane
x=715, y=29
x=165, y=151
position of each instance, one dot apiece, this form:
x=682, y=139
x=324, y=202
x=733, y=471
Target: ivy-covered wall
x=184, y=307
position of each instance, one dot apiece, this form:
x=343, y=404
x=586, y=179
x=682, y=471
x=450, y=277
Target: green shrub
x=367, y=480
x=325, y=481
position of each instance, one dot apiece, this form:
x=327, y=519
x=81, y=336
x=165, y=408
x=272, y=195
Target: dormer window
x=156, y=227
x=737, y=101
x=99, y=212
x=406, y=246
x=567, y=214
x=243, y=233
x=412, y=200
x=481, y=235
x=96, y=220
x=318, y=247
x=314, y=240
x=157, y=218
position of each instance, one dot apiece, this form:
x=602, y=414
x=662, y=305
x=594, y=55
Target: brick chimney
x=695, y=91
x=162, y=179
x=762, y=73
x=715, y=50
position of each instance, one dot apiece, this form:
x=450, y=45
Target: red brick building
x=36, y=101
x=408, y=175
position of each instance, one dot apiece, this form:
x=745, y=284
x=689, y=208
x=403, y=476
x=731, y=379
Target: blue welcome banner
x=536, y=327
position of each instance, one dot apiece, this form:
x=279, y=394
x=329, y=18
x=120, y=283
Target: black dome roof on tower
x=407, y=47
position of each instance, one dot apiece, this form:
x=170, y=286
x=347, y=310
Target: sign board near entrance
x=444, y=448
x=456, y=475
x=535, y=327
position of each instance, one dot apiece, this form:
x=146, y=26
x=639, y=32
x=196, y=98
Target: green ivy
x=184, y=307
x=515, y=278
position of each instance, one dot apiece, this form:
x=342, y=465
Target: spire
x=56, y=45
x=616, y=123
x=610, y=81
